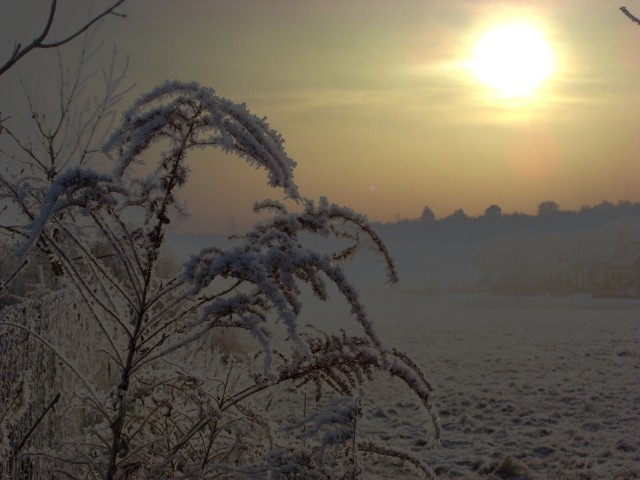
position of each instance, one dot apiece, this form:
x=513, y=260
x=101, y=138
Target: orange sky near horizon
x=380, y=112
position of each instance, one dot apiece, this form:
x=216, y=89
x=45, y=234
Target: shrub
x=145, y=389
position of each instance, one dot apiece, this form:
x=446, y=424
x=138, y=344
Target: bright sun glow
x=513, y=59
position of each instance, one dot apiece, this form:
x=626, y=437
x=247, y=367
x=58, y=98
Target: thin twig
x=630, y=15
x=35, y=425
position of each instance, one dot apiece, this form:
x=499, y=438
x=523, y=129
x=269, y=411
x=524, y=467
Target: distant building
x=605, y=262
x=520, y=264
x=622, y=273
x=586, y=258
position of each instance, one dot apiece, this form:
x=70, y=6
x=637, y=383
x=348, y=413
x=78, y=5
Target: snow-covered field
x=551, y=383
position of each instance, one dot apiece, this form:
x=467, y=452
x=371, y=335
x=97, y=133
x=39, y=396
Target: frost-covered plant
x=153, y=397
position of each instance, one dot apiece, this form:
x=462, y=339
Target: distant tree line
x=549, y=218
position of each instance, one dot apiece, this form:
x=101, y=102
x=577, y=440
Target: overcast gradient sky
x=378, y=111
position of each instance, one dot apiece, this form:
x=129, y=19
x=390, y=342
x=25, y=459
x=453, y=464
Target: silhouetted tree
x=459, y=215
x=548, y=207
x=494, y=211
x=427, y=216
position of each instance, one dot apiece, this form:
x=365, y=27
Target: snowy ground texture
x=536, y=387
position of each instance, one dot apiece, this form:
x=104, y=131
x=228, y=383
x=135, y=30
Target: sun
x=513, y=59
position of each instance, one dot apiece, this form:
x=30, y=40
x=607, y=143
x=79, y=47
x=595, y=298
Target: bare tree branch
x=630, y=15
x=39, y=42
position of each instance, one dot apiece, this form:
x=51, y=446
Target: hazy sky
x=379, y=109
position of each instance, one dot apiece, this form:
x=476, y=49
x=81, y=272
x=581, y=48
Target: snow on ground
x=549, y=386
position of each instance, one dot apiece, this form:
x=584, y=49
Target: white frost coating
x=172, y=397
x=175, y=107
x=76, y=187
